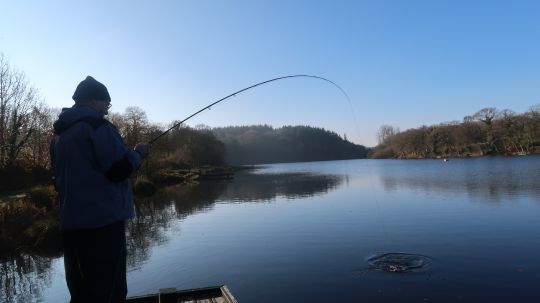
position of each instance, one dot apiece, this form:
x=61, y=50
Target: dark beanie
x=90, y=89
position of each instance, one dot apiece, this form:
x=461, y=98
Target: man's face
x=102, y=106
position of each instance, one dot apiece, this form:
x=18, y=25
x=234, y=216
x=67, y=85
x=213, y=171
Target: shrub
x=168, y=177
x=44, y=196
x=44, y=233
x=15, y=217
x=14, y=178
x=143, y=187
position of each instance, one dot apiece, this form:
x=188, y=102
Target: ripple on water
x=398, y=262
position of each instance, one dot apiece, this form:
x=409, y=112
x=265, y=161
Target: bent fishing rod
x=245, y=89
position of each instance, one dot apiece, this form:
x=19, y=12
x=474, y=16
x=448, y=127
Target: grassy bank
x=147, y=185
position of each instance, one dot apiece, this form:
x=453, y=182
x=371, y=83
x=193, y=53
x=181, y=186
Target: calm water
x=303, y=233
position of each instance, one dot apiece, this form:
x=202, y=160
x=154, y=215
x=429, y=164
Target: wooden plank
x=215, y=294
x=227, y=294
x=169, y=290
x=143, y=299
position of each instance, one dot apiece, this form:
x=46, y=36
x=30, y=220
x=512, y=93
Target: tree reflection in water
x=266, y=187
x=490, y=179
x=490, y=187
x=156, y=214
x=24, y=276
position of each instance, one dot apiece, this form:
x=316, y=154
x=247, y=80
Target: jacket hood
x=71, y=115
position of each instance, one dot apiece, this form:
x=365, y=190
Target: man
x=91, y=168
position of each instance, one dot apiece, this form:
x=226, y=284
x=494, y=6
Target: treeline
x=265, y=144
x=487, y=132
x=182, y=147
x=25, y=131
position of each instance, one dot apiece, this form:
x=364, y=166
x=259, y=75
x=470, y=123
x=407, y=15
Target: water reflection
x=486, y=180
x=157, y=214
x=266, y=187
x=23, y=277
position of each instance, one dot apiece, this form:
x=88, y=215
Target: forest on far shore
x=487, y=132
x=264, y=144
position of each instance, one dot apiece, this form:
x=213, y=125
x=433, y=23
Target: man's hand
x=143, y=149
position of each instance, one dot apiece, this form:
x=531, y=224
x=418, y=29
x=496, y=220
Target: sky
x=403, y=63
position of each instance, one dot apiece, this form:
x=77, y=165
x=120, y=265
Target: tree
x=440, y=140
x=486, y=115
x=17, y=99
x=468, y=136
x=385, y=132
x=535, y=109
x=506, y=113
x=36, y=151
x=534, y=127
x=136, y=124
x=488, y=131
x=468, y=119
x=264, y=144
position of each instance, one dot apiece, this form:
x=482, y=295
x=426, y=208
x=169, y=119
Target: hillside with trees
x=265, y=144
x=487, y=132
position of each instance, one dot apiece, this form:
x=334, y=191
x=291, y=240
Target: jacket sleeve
x=115, y=160
x=52, y=158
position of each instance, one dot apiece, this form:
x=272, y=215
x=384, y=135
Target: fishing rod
x=247, y=88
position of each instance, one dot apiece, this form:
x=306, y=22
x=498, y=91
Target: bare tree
x=17, y=99
x=36, y=151
x=535, y=109
x=136, y=124
x=506, y=113
x=385, y=132
x=486, y=115
x=202, y=127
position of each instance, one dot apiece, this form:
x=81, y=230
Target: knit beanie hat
x=90, y=89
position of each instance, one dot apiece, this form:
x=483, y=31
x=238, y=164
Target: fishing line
x=248, y=88
x=367, y=166
x=234, y=94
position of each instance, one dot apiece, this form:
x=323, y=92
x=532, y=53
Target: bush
x=44, y=233
x=15, y=217
x=143, y=187
x=44, y=196
x=15, y=178
x=168, y=177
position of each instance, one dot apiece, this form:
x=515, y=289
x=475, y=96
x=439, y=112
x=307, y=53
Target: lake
x=304, y=232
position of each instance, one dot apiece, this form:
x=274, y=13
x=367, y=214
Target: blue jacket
x=91, y=167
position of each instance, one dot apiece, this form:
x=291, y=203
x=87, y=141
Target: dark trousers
x=95, y=263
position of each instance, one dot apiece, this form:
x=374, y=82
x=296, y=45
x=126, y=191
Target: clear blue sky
x=403, y=63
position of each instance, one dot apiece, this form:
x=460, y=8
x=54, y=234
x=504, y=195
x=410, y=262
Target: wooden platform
x=214, y=294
